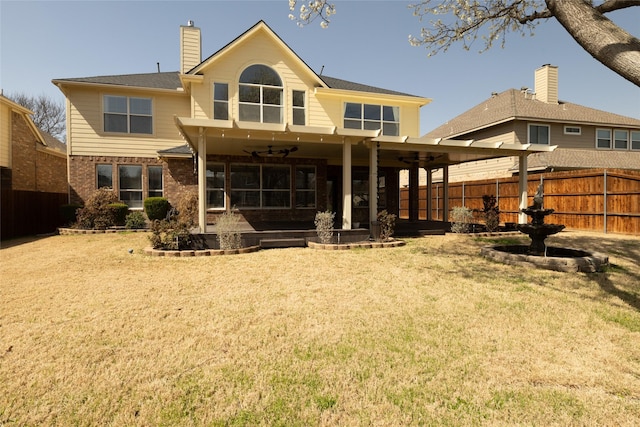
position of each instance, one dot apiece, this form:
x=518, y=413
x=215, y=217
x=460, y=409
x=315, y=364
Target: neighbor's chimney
x=190, y=50
x=546, y=84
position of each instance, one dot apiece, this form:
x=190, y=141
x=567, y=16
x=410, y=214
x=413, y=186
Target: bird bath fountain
x=540, y=255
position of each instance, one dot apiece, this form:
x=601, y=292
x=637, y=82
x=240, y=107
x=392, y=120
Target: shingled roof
x=514, y=104
x=565, y=158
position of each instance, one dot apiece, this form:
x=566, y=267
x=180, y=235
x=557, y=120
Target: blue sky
x=367, y=42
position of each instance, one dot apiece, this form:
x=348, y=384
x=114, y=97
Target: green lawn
x=425, y=334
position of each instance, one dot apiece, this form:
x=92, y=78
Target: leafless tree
x=48, y=114
x=465, y=21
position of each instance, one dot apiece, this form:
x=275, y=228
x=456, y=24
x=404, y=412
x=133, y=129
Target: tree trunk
x=611, y=45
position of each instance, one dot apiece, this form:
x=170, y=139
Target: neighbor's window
x=603, y=138
x=372, y=117
x=104, y=176
x=620, y=139
x=635, y=140
x=298, y=107
x=130, y=178
x=215, y=185
x=572, y=130
x=221, y=101
x=305, y=186
x=260, y=92
x=155, y=181
x=128, y=114
x=538, y=134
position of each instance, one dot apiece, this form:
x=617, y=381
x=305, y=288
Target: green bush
x=170, y=234
x=387, y=223
x=135, y=220
x=68, y=213
x=461, y=218
x=324, y=226
x=228, y=231
x=119, y=213
x=96, y=213
x=156, y=207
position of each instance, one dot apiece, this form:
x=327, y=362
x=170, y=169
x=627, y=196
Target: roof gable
x=514, y=104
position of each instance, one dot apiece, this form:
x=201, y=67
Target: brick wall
x=51, y=173
x=23, y=151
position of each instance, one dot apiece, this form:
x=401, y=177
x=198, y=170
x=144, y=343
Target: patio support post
x=429, y=194
x=414, y=192
x=445, y=193
x=202, y=181
x=522, y=187
x=373, y=184
x=346, y=184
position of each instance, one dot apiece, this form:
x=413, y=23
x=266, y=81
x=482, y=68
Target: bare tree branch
x=48, y=114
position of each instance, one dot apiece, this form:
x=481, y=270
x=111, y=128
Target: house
x=252, y=128
x=30, y=159
x=585, y=137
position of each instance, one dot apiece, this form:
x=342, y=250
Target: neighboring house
x=30, y=159
x=251, y=128
x=584, y=137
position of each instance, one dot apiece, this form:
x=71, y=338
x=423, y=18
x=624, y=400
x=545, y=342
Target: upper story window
x=620, y=139
x=299, y=115
x=572, y=130
x=221, y=101
x=372, y=117
x=260, y=92
x=538, y=134
x=635, y=139
x=128, y=114
x=603, y=138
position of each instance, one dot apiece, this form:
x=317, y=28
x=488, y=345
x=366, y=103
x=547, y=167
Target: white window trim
x=128, y=114
x=213, y=100
x=572, y=127
x=304, y=190
x=224, y=188
x=631, y=140
x=363, y=120
x=613, y=140
x=303, y=108
x=149, y=181
x=610, y=147
x=141, y=190
x=540, y=125
x=261, y=189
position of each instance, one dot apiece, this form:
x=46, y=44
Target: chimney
x=546, y=84
x=190, y=50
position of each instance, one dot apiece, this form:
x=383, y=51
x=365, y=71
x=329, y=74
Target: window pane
x=621, y=139
x=260, y=74
x=635, y=140
x=306, y=177
x=221, y=110
x=276, y=177
x=245, y=199
x=249, y=113
x=371, y=112
x=155, y=180
x=391, y=129
x=105, y=178
x=132, y=198
x=272, y=96
x=276, y=199
x=245, y=176
x=298, y=98
x=299, y=116
x=390, y=114
x=604, y=138
x=141, y=124
x=221, y=91
x=130, y=177
x=115, y=104
x=305, y=199
x=249, y=94
x=272, y=114
x=215, y=176
x=352, y=124
x=371, y=125
x=215, y=199
x=140, y=106
x=115, y=123
x=538, y=134
x=352, y=111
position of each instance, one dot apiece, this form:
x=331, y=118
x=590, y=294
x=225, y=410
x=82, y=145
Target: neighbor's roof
x=53, y=142
x=514, y=104
x=565, y=158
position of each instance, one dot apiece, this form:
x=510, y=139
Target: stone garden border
x=366, y=245
x=70, y=231
x=199, y=252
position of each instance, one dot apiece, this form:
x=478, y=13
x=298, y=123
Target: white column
x=429, y=193
x=373, y=183
x=347, y=197
x=202, y=181
x=445, y=193
x=522, y=187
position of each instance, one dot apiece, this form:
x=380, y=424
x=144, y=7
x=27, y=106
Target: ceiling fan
x=416, y=159
x=270, y=152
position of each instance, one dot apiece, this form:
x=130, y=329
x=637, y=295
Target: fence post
x=604, y=211
x=463, y=193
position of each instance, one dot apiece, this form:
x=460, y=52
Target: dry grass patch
x=429, y=333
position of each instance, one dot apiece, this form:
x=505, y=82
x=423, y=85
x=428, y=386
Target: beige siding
x=505, y=133
x=5, y=136
x=546, y=84
x=190, y=48
x=482, y=169
x=88, y=138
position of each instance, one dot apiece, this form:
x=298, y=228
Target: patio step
x=283, y=243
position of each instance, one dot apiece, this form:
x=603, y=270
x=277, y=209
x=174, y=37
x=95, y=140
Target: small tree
x=387, y=224
x=491, y=212
x=461, y=218
x=324, y=226
x=96, y=213
x=228, y=231
x=174, y=232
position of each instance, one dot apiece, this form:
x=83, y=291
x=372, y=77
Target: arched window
x=260, y=89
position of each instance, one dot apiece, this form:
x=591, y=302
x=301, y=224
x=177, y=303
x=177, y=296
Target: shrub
x=187, y=207
x=96, y=213
x=135, y=220
x=491, y=213
x=156, y=207
x=119, y=213
x=68, y=213
x=228, y=231
x=461, y=218
x=324, y=226
x=387, y=223
x=170, y=234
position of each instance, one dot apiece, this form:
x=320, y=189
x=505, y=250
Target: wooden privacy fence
x=605, y=200
x=25, y=213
